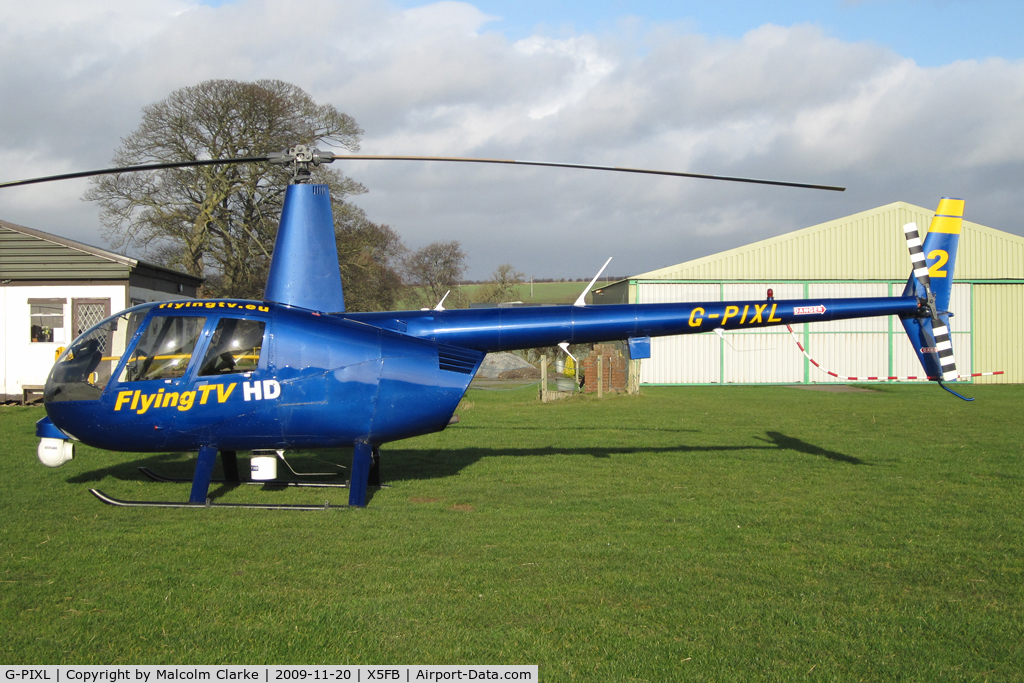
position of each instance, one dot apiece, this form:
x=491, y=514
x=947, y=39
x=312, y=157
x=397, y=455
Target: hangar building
x=857, y=256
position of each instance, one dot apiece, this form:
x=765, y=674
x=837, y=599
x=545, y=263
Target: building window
x=47, y=320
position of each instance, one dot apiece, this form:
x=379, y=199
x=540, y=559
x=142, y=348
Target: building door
x=998, y=328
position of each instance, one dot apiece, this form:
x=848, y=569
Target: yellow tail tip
x=948, y=217
x=949, y=206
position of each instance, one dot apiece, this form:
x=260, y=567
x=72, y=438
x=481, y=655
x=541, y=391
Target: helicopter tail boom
x=504, y=329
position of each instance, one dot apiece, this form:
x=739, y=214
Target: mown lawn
x=707, y=533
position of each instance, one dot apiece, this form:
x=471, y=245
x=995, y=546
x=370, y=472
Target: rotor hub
x=302, y=159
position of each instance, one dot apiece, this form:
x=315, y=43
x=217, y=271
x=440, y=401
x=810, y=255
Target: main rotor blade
x=367, y=157
x=678, y=174
x=131, y=169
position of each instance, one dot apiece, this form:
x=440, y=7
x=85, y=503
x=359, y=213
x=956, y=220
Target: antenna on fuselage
x=582, y=300
x=440, y=304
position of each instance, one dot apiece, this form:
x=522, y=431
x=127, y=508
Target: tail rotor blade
x=944, y=349
x=917, y=258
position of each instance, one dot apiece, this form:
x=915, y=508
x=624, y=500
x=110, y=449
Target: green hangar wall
x=860, y=255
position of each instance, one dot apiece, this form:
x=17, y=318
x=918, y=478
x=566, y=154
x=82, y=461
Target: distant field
x=689, y=533
x=542, y=293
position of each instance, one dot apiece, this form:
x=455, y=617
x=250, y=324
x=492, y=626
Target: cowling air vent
x=454, y=359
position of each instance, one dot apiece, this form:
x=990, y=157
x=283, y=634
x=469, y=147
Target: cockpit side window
x=164, y=349
x=234, y=348
x=85, y=367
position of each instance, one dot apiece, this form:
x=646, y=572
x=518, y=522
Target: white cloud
x=780, y=102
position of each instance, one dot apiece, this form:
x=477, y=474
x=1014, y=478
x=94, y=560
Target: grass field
x=707, y=533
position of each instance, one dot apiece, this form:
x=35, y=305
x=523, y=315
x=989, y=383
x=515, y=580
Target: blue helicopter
x=295, y=371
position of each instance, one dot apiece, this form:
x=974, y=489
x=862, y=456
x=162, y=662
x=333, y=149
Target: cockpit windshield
x=163, y=350
x=86, y=366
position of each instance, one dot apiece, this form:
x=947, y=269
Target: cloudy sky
x=895, y=99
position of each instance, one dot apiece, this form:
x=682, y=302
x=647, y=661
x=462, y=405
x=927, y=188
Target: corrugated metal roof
x=865, y=246
x=29, y=254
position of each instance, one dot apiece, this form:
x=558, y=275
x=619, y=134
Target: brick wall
x=614, y=370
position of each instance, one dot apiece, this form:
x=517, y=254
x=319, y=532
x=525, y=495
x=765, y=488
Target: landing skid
x=165, y=504
x=365, y=473
x=271, y=482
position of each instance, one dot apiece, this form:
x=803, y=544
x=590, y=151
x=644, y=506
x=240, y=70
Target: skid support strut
x=203, y=474
x=365, y=471
x=229, y=459
x=374, y=478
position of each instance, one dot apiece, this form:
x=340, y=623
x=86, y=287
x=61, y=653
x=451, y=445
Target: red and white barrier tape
x=879, y=378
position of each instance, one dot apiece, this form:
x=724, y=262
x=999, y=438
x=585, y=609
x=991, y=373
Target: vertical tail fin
x=932, y=281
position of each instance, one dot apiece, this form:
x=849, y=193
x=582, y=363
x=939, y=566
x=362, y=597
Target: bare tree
x=433, y=270
x=504, y=285
x=219, y=221
x=371, y=261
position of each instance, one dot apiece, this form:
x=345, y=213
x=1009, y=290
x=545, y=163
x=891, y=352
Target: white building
x=52, y=289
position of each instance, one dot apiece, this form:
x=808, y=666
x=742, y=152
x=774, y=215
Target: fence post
x=543, y=378
x=600, y=376
x=634, y=377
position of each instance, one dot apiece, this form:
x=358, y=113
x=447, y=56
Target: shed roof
x=865, y=246
x=29, y=254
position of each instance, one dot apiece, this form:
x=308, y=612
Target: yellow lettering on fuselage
x=147, y=402
x=223, y=395
x=941, y=258
x=123, y=397
x=187, y=399
x=732, y=311
x=206, y=389
x=134, y=400
x=214, y=304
